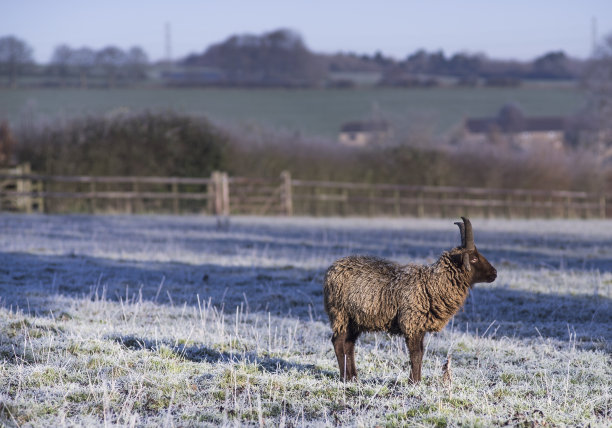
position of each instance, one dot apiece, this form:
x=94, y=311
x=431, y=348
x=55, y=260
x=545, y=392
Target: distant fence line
x=220, y=194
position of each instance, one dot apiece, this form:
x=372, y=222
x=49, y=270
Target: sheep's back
x=358, y=289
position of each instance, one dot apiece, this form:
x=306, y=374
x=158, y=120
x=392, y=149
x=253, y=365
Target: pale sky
x=508, y=29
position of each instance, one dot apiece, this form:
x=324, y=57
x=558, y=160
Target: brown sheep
x=364, y=293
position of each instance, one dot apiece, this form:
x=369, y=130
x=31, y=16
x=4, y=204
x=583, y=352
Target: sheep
x=366, y=293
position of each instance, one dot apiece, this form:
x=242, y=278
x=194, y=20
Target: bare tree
x=130, y=65
x=597, y=81
x=60, y=61
x=15, y=54
x=7, y=144
x=136, y=63
x=112, y=59
x=83, y=59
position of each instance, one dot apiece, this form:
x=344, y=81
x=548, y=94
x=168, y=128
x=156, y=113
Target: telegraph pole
x=168, y=40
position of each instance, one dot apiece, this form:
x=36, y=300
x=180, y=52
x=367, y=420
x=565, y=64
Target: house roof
x=527, y=124
x=365, y=126
x=511, y=119
x=481, y=125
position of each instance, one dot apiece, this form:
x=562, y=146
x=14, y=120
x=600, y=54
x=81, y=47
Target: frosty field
x=160, y=320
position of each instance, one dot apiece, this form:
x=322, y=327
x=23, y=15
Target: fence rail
x=220, y=194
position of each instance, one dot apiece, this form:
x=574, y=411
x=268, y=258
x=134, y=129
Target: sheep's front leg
x=415, y=347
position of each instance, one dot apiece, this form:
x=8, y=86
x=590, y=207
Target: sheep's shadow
x=201, y=353
x=32, y=282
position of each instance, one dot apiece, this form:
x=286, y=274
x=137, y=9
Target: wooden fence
x=17, y=191
x=220, y=194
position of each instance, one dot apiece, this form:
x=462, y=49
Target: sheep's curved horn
x=469, y=234
x=462, y=231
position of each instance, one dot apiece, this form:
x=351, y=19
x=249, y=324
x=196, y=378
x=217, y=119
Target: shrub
x=169, y=144
x=147, y=144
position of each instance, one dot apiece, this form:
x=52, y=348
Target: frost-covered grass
x=172, y=321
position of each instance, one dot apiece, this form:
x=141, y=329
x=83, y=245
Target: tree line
x=468, y=68
x=110, y=66
x=281, y=55
x=116, y=65
x=276, y=58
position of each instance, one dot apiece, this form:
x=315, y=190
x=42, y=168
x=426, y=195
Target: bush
x=167, y=144
x=417, y=161
x=148, y=144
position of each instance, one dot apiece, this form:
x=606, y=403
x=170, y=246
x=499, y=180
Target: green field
x=313, y=112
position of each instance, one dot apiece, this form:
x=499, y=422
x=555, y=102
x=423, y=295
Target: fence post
x=92, y=201
x=509, y=205
x=286, y=193
x=225, y=196
x=442, y=210
x=138, y=202
x=551, y=207
x=175, y=200
x=39, y=201
x=218, y=193
x=420, y=205
x=396, y=199
x=529, y=206
x=211, y=188
x=129, y=202
x=24, y=186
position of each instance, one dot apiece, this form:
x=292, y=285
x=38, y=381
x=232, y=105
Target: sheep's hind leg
x=338, y=340
x=415, y=347
x=349, y=351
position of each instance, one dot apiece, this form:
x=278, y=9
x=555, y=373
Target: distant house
x=512, y=126
x=363, y=133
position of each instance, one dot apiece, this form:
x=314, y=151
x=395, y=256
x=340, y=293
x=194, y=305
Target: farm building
x=510, y=125
x=363, y=133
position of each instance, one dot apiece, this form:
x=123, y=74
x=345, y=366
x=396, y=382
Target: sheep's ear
x=466, y=261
